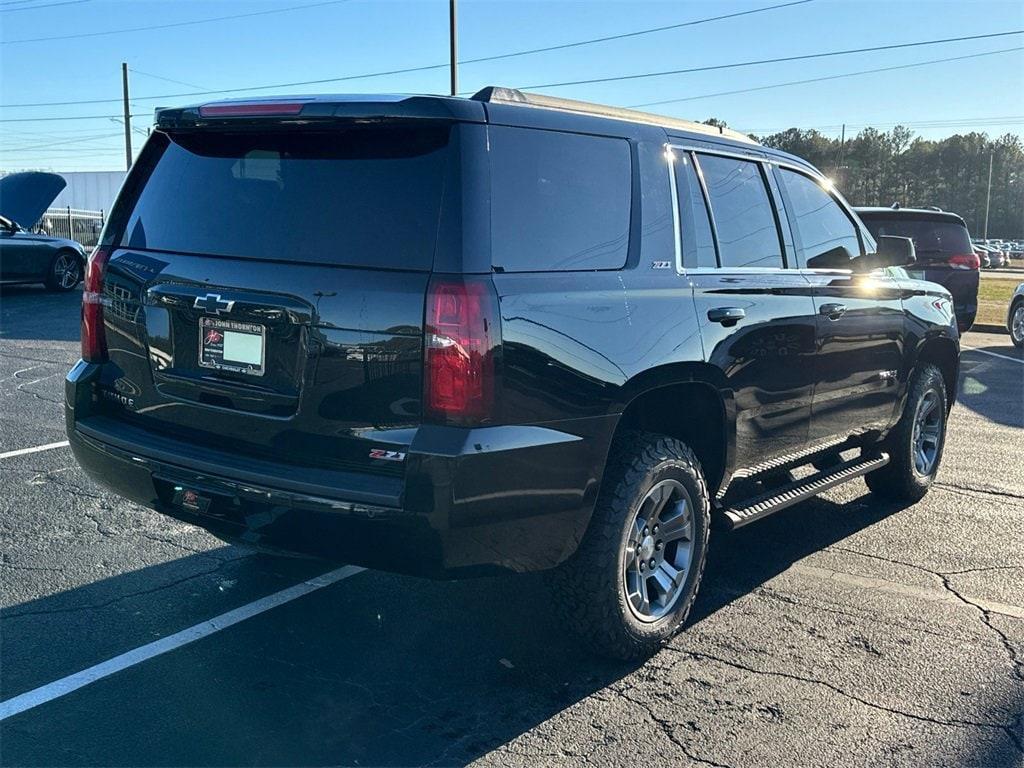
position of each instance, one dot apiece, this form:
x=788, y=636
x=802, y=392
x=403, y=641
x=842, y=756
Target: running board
x=761, y=506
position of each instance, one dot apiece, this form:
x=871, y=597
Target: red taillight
x=461, y=337
x=965, y=261
x=94, y=337
x=252, y=109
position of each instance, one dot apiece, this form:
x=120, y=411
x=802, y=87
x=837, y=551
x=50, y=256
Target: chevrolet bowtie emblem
x=212, y=302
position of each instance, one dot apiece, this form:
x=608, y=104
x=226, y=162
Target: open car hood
x=24, y=197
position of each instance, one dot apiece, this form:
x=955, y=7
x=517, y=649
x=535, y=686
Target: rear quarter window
x=559, y=201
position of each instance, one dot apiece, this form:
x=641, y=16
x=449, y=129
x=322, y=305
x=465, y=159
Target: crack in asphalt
x=1008, y=728
x=9, y=615
x=967, y=490
x=668, y=728
x=944, y=576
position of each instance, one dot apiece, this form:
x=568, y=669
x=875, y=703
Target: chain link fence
x=73, y=223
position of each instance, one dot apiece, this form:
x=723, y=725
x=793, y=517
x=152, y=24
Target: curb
x=988, y=328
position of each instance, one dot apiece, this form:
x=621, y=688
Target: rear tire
x=64, y=272
x=1017, y=324
x=915, y=444
x=647, y=543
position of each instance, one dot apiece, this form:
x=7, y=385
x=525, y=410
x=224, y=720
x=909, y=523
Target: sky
x=270, y=42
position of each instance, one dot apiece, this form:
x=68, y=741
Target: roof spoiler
x=494, y=94
x=316, y=110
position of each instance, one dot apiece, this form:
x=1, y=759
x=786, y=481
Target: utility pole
x=839, y=162
x=988, y=194
x=453, y=37
x=127, y=118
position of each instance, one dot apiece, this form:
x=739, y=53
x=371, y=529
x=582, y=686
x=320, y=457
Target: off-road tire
x=589, y=587
x=899, y=480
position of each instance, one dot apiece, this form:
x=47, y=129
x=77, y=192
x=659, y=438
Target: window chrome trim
x=817, y=176
x=670, y=156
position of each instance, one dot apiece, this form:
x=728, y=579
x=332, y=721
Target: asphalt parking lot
x=840, y=631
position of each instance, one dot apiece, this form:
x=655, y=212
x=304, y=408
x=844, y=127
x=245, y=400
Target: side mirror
x=834, y=258
x=892, y=252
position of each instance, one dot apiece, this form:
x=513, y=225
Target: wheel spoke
x=678, y=526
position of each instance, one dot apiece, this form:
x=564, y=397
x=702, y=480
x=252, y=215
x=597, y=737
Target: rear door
x=266, y=290
x=756, y=314
x=859, y=316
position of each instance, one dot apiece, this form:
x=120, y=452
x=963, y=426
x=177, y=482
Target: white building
x=89, y=190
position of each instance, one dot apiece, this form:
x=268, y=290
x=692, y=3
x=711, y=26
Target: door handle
x=726, y=315
x=832, y=311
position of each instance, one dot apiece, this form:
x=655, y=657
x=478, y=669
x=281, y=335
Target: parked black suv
x=943, y=249
x=448, y=336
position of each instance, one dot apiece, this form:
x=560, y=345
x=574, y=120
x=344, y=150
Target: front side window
x=823, y=226
x=744, y=218
x=559, y=201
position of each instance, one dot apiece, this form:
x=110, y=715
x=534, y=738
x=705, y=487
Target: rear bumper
x=472, y=500
x=962, y=285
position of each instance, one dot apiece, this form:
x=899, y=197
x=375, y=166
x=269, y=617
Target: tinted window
x=694, y=225
x=933, y=240
x=744, y=218
x=822, y=225
x=559, y=201
x=357, y=197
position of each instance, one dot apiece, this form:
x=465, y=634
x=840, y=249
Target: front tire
x=65, y=271
x=630, y=585
x=915, y=444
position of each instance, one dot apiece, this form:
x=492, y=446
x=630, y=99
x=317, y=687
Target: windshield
x=358, y=197
x=932, y=239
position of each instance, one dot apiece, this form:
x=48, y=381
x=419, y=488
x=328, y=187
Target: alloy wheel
x=659, y=550
x=1017, y=324
x=66, y=271
x=927, y=433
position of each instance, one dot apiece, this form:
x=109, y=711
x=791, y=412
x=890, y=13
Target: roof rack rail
x=501, y=95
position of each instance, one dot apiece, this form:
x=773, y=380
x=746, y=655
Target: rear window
x=559, y=201
x=361, y=197
x=932, y=239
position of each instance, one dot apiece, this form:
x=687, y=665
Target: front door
x=859, y=316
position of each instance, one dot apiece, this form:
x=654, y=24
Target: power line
x=48, y=5
x=802, y=57
x=423, y=68
x=51, y=119
x=193, y=22
x=166, y=79
x=78, y=140
x=822, y=79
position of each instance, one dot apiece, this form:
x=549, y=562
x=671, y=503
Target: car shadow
x=376, y=670
x=992, y=387
x=32, y=313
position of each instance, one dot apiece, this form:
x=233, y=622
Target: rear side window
x=822, y=225
x=358, y=197
x=933, y=239
x=695, y=228
x=744, y=218
x=559, y=201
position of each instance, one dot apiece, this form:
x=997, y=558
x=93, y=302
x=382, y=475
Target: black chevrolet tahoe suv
x=450, y=336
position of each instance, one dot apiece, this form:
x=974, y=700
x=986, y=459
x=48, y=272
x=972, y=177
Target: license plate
x=228, y=345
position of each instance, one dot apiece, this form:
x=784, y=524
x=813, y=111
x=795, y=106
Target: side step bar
x=761, y=506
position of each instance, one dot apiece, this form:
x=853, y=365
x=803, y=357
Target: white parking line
x=66, y=685
x=37, y=449
x=994, y=354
